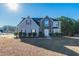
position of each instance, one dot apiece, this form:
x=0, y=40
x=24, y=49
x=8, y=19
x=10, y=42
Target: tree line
x=8, y=29
x=69, y=26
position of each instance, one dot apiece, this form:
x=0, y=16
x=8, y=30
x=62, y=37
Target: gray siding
x=24, y=27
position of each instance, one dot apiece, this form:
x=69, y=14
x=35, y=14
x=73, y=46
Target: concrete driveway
x=64, y=45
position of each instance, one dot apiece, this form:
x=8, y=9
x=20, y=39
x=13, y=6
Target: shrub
x=16, y=34
x=24, y=34
x=55, y=34
x=34, y=34
x=41, y=34
x=20, y=34
x=29, y=34
x=58, y=34
x=52, y=34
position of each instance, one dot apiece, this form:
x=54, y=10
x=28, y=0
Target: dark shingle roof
x=37, y=20
x=54, y=19
x=21, y=21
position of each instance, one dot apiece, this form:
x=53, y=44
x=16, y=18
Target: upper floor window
x=55, y=24
x=28, y=21
x=46, y=22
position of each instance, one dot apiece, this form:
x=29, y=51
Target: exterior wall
x=24, y=27
x=54, y=26
x=42, y=24
x=57, y=30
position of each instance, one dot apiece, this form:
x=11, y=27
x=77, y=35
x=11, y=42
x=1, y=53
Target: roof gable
x=37, y=20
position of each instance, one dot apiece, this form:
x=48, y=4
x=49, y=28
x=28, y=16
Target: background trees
x=69, y=26
x=8, y=29
x=77, y=27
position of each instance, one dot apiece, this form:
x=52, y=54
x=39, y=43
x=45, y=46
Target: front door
x=46, y=32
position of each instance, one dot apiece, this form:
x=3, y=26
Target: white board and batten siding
x=27, y=26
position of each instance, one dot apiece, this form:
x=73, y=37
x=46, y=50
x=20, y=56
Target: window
x=28, y=21
x=33, y=30
x=46, y=23
x=55, y=24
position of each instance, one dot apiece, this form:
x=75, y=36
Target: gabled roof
x=54, y=19
x=21, y=21
x=37, y=20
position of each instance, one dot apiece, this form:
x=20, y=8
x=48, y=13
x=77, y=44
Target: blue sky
x=10, y=17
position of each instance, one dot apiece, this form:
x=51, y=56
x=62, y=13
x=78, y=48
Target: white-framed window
x=28, y=21
x=55, y=24
x=33, y=30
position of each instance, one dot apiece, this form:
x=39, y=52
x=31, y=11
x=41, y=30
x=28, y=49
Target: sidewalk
x=71, y=37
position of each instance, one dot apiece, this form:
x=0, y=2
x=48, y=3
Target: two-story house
x=45, y=25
